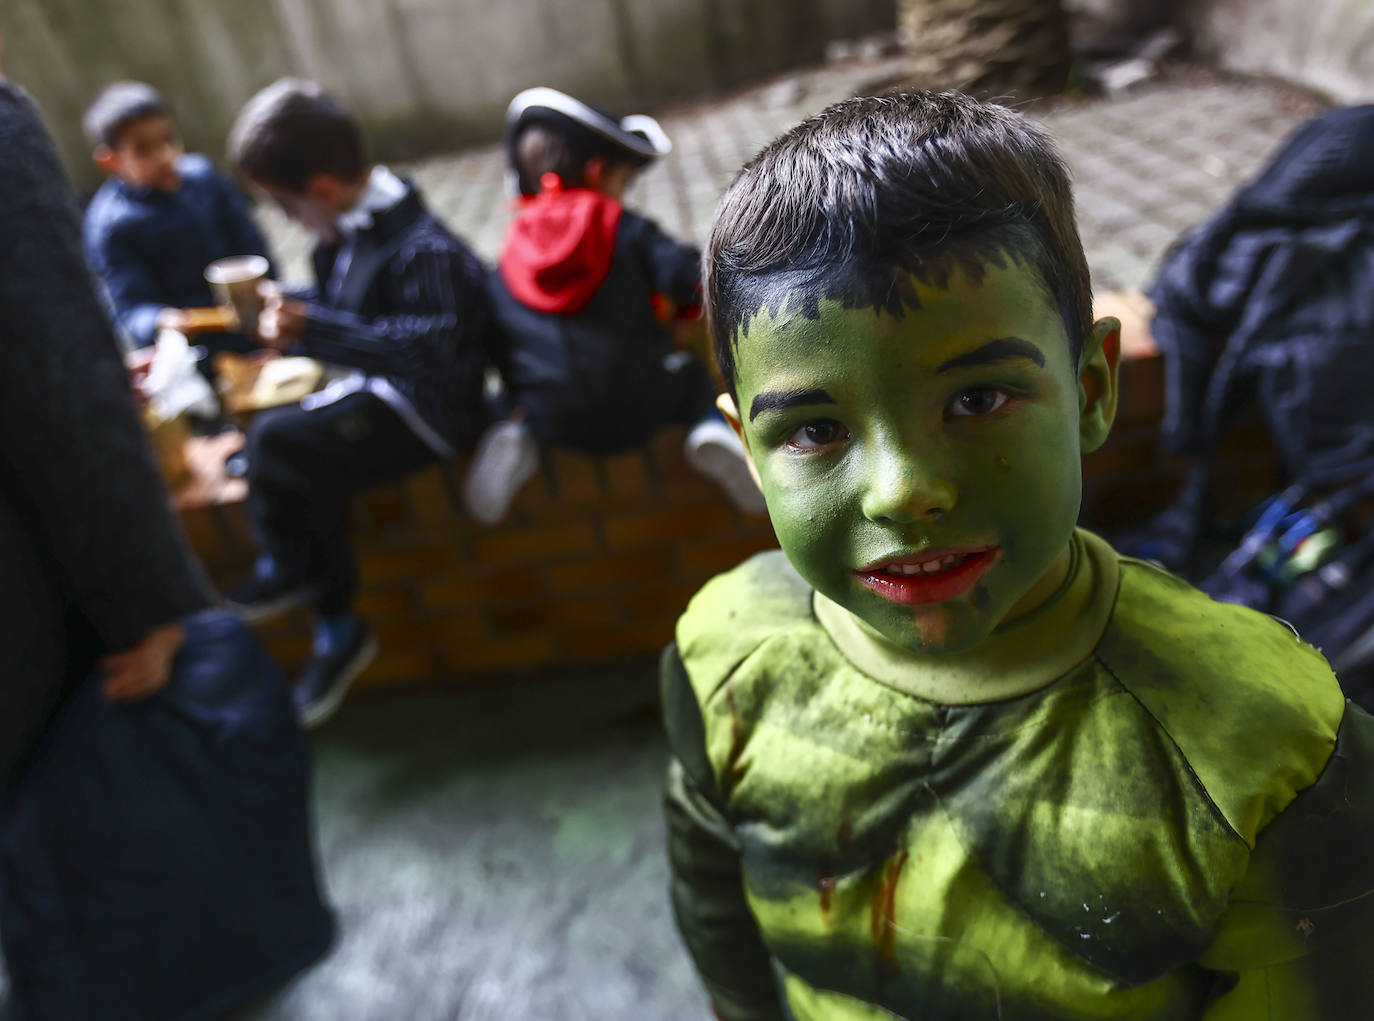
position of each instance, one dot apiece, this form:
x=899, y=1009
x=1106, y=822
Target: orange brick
x=430, y=497
x=623, y=640
x=422, y=630
x=672, y=524
x=499, y=654
x=1141, y=385
x=383, y=563
x=290, y=651
x=402, y=667
x=576, y=480
x=704, y=559
x=512, y=545
x=1130, y=501
x=387, y=600
x=291, y=624
x=381, y=507
x=627, y=478
x=659, y=601
x=687, y=486
x=536, y=501
x=666, y=451
x=608, y=572
x=1122, y=454
x=552, y=616
x=466, y=590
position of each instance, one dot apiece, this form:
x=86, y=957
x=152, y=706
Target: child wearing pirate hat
x=579, y=292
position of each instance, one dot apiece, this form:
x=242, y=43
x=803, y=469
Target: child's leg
x=304, y=468
x=505, y=458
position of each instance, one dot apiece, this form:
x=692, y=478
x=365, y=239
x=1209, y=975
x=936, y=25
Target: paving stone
x=1146, y=165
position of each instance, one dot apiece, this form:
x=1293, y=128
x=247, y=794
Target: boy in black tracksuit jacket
x=399, y=300
x=586, y=296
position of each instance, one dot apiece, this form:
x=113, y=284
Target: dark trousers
x=305, y=467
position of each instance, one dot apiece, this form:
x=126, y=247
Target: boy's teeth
x=928, y=567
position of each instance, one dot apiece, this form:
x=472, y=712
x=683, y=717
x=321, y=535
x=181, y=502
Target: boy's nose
x=901, y=492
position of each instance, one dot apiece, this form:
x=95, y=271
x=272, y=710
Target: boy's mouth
x=929, y=577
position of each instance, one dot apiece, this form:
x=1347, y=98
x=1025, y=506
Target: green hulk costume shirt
x=1132, y=802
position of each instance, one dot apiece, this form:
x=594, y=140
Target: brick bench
x=599, y=557
x=595, y=562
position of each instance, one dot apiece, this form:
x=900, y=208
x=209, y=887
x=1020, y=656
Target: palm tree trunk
x=1005, y=48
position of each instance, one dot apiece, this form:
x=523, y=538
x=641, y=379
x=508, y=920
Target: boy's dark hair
x=117, y=106
x=853, y=201
x=544, y=148
x=292, y=130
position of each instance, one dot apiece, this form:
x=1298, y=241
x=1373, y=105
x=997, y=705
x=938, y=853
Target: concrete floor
x=496, y=853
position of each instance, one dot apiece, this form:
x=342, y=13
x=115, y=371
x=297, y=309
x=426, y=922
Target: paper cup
x=234, y=283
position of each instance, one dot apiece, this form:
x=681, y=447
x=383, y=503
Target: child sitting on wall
x=946, y=755
x=398, y=299
x=586, y=353
x=159, y=219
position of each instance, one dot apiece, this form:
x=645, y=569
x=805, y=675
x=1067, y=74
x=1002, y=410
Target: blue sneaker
x=343, y=648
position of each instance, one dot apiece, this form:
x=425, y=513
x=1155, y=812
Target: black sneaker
x=322, y=685
x=259, y=597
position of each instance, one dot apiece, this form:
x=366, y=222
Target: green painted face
x=923, y=472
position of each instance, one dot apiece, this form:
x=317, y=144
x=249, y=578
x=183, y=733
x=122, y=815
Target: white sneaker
x=713, y=449
x=505, y=459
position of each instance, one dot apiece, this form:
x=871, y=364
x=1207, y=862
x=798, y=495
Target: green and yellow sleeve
x=707, y=883
x=1296, y=936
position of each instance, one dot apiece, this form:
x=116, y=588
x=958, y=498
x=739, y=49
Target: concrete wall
x=421, y=74
x=1326, y=44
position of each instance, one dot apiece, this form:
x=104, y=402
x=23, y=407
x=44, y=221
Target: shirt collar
x=382, y=191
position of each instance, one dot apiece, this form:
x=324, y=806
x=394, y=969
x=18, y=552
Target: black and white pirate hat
x=637, y=139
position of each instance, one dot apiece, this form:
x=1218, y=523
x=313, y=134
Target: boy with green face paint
x=945, y=755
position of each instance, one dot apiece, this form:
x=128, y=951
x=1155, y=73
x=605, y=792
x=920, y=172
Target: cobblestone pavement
x=1147, y=165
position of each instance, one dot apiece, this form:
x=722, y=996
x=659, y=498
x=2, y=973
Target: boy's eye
x=977, y=402
x=821, y=433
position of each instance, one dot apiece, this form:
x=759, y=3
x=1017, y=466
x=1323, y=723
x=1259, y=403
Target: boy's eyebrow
x=998, y=350
x=779, y=400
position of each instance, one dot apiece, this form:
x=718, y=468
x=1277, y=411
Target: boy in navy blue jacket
x=399, y=300
x=159, y=219
x=585, y=294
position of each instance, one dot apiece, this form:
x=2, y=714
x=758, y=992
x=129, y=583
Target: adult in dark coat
x=93, y=566
x=155, y=846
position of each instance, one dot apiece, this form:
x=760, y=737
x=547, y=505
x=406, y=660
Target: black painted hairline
x=780, y=290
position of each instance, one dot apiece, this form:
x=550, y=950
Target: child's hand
x=282, y=320
x=140, y=671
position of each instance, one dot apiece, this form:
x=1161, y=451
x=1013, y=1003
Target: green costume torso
x=1085, y=849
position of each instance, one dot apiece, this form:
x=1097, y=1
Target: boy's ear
x=1097, y=383
x=105, y=159
x=727, y=407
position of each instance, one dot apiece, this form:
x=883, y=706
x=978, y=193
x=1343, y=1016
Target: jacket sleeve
x=438, y=304
x=128, y=289
x=674, y=268
x=707, y=882
x=69, y=438
x=1294, y=942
